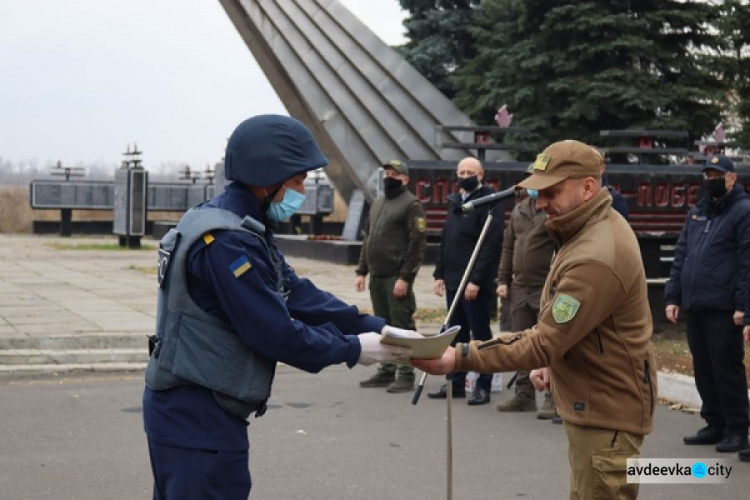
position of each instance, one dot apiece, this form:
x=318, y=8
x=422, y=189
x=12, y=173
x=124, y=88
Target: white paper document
x=422, y=346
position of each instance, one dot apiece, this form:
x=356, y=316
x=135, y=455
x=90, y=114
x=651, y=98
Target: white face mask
x=289, y=204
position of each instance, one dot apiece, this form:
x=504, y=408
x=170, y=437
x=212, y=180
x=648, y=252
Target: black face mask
x=468, y=183
x=391, y=186
x=715, y=188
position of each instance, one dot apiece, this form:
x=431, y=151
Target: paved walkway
x=48, y=289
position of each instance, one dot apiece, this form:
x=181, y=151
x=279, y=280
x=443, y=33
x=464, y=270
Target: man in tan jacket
x=592, y=342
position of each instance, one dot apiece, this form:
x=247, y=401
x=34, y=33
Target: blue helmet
x=268, y=149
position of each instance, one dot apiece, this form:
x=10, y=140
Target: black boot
x=707, y=435
x=479, y=397
x=732, y=443
x=442, y=393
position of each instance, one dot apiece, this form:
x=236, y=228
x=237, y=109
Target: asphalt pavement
x=80, y=437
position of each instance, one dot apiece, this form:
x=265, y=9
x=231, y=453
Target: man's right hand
x=673, y=313
x=375, y=352
x=540, y=379
x=439, y=287
x=746, y=333
x=502, y=291
x=359, y=283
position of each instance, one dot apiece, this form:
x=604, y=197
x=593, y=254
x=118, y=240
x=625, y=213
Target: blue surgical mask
x=290, y=203
x=533, y=193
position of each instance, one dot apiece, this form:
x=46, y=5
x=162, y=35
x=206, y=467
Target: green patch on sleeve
x=565, y=308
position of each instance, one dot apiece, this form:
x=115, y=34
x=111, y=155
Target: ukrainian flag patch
x=240, y=266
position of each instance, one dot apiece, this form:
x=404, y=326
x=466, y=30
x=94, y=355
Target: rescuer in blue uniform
x=229, y=308
x=707, y=286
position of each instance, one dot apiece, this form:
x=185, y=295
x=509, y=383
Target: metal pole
x=449, y=442
x=461, y=286
x=449, y=385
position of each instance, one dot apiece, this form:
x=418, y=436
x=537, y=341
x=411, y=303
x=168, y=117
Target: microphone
x=490, y=198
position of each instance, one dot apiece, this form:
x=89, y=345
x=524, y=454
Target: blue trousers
x=474, y=318
x=189, y=474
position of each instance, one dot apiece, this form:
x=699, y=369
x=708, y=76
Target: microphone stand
x=449, y=385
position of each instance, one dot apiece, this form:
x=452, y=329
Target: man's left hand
x=400, y=288
x=439, y=366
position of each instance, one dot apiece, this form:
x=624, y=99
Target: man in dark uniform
x=460, y=235
x=707, y=282
x=392, y=253
x=229, y=308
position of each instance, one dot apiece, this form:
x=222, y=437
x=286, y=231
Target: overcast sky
x=82, y=79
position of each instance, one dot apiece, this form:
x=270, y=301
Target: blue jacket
x=307, y=328
x=712, y=257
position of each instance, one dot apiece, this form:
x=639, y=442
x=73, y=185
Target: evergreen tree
x=733, y=64
x=439, y=40
x=568, y=69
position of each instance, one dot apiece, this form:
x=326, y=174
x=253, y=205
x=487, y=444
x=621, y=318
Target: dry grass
x=673, y=355
x=15, y=211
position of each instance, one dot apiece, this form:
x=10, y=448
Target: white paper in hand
x=374, y=351
x=422, y=346
x=401, y=333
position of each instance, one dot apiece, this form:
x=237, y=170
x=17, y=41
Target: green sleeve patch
x=421, y=225
x=565, y=308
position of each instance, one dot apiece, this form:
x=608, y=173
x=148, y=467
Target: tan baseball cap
x=563, y=160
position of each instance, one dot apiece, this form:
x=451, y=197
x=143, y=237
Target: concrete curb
x=71, y=356
x=89, y=340
x=15, y=371
x=678, y=388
